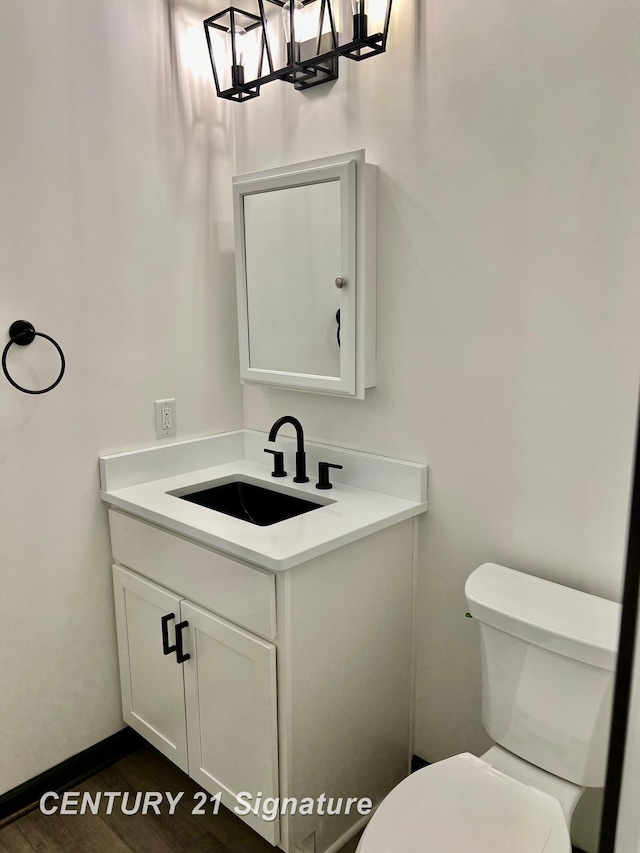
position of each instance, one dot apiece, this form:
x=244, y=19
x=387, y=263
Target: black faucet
x=301, y=465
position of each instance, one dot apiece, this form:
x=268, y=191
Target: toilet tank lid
x=564, y=620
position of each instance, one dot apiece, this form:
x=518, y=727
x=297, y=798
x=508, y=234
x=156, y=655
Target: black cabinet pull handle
x=180, y=655
x=166, y=648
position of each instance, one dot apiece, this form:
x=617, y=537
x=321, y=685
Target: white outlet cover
x=165, y=415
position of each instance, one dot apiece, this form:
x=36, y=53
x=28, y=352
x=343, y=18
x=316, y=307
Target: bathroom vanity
x=271, y=659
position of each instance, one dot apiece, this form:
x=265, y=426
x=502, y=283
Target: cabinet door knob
x=166, y=648
x=180, y=655
x=340, y=282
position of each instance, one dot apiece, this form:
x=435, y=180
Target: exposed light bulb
x=298, y=12
x=237, y=62
x=359, y=19
x=370, y=12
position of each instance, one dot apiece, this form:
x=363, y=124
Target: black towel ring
x=22, y=333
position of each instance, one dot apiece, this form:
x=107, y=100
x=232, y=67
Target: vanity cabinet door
x=230, y=691
x=152, y=683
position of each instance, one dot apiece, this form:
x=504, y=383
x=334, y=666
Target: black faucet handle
x=278, y=462
x=323, y=475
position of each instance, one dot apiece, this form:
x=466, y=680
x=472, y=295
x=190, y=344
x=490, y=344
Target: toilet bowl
x=547, y=679
x=465, y=804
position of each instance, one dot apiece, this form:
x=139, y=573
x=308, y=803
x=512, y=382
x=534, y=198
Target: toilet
x=548, y=664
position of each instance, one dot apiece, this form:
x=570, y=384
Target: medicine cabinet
x=306, y=275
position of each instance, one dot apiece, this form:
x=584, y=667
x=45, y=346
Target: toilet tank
x=548, y=666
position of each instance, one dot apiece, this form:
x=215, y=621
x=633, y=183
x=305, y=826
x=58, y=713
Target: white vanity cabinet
x=332, y=717
x=199, y=688
x=215, y=717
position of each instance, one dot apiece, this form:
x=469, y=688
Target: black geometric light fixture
x=237, y=44
x=310, y=42
x=242, y=56
x=370, y=28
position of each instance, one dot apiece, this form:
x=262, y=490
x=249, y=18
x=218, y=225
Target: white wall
x=507, y=139
x=109, y=242
x=506, y=135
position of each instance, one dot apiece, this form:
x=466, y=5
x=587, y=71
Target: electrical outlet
x=165, y=411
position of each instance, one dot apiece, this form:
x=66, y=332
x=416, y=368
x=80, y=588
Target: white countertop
x=348, y=513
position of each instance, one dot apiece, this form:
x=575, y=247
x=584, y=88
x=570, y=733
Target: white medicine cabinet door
x=231, y=699
x=305, y=264
x=152, y=683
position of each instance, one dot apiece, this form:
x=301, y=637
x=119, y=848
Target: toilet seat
x=464, y=804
